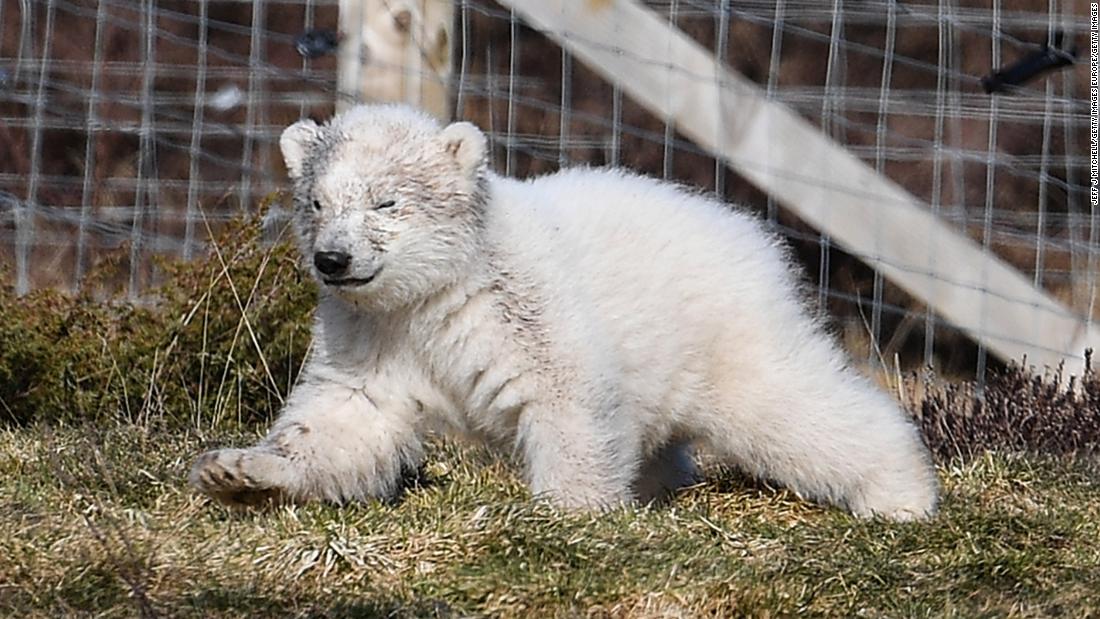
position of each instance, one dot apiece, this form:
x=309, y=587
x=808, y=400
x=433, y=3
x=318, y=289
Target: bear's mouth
x=345, y=282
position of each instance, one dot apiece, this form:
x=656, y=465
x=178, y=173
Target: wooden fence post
x=396, y=50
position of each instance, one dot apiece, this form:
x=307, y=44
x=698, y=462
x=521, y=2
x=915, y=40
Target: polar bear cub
x=598, y=324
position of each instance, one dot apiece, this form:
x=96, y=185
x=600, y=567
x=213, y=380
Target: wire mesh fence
x=130, y=129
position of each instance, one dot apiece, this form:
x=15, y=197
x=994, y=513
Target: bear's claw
x=238, y=477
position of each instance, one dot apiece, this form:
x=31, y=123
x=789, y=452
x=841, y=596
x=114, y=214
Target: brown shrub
x=1014, y=411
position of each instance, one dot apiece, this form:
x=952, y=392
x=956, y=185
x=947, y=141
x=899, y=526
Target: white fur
x=600, y=325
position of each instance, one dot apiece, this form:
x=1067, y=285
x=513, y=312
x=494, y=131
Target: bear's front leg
x=331, y=443
x=574, y=459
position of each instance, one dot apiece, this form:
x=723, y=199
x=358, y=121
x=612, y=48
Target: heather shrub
x=1014, y=411
x=222, y=340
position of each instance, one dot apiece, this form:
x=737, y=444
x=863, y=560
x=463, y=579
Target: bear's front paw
x=241, y=477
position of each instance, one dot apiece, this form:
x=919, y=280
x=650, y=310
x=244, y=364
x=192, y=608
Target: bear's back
x=649, y=266
x=609, y=229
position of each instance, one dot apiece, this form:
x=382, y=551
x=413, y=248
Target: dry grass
x=99, y=521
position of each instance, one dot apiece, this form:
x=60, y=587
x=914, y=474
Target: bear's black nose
x=331, y=263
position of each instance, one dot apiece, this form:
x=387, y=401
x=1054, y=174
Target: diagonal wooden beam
x=816, y=178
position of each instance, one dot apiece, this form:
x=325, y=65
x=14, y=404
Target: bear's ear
x=466, y=143
x=295, y=144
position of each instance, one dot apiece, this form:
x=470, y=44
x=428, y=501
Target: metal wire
x=167, y=114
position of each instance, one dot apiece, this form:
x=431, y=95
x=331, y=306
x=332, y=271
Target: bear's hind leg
x=829, y=435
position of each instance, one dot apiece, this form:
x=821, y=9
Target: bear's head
x=388, y=206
